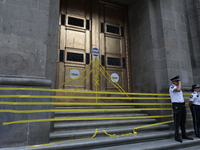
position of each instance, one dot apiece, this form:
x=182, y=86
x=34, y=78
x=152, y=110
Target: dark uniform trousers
x=196, y=118
x=179, y=111
x=192, y=111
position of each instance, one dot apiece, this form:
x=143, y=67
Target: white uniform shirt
x=176, y=97
x=194, y=97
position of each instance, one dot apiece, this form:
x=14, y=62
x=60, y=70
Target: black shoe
x=198, y=136
x=178, y=139
x=187, y=137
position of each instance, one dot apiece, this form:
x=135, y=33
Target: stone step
x=190, y=147
x=142, y=141
x=101, y=115
x=87, y=133
x=59, y=126
x=158, y=145
x=95, y=107
x=103, y=142
x=81, y=113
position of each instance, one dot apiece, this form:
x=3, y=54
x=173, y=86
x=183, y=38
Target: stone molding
x=25, y=81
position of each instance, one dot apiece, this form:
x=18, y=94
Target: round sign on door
x=74, y=73
x=115, y=77
x=95, y=52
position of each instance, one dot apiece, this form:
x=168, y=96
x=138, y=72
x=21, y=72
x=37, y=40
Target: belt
x=178, y=103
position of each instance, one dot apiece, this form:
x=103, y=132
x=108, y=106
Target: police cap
x=176, y=78
x=194, y=86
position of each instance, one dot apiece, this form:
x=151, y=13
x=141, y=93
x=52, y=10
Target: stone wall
x=29, y=39
x=176, y=41
x=193, y=30
x=143, y=75
x=24, y=133
x=28, y=55
x=159, y=47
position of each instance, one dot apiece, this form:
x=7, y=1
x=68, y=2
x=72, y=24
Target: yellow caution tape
x=155, y=124
x=70, y=110
x=186, y=93
x=109, y=80
x=151, y=125
x=56, y=143
x=189, y=119
x=77, y=97
x=90, y=92
x=111, y=135
x=110, y=76
x=98, y=118
x=79, y=74
x=84, y=78
x=113, y=79
x=74, y=91
x=67, y=103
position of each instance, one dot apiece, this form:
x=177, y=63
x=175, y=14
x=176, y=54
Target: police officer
x=194, y=104
x=179, y=109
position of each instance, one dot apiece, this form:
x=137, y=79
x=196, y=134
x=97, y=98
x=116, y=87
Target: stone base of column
x=24, y=133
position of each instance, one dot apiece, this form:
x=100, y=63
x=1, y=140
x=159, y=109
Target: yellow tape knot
x=134, y=132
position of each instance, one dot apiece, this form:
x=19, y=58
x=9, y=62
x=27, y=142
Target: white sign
x=95, y=52
x=115, y=77
x=74, y=73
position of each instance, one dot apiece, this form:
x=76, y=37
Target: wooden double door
x=87, y=24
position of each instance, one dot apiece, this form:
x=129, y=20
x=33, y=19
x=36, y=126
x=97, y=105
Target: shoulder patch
x=197, y=95
x=191, y=96
x=172, y=86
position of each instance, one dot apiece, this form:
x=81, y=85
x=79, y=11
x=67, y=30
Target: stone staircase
x=153, y=137
x=80, y=132
x=67, y=130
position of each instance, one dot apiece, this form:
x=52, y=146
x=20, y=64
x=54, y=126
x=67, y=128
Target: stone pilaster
x=28, y=55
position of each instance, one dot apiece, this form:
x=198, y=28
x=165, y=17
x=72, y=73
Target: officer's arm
x=178, y=89
x=190, y=103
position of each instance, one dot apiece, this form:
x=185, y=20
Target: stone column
x=193, y=29
x=159, y=46
x=28, y=54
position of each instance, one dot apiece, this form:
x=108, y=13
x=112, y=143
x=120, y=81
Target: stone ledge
x=25, y=81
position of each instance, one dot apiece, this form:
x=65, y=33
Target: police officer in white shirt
x=179, y=108
x=194, y=104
